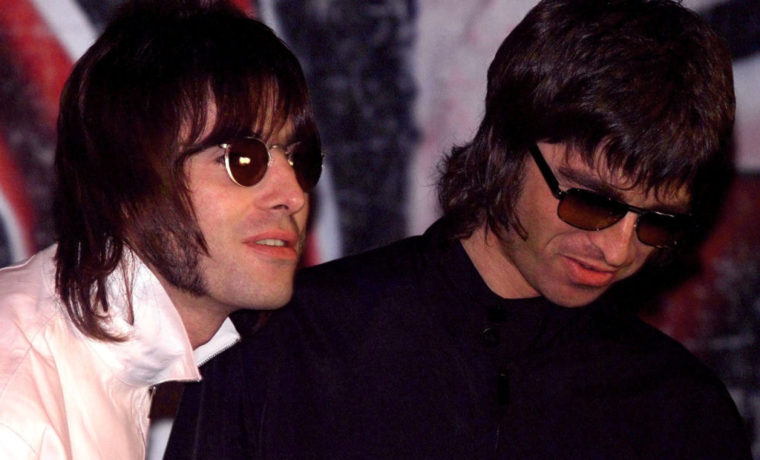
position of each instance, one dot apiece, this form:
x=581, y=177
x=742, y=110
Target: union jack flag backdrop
x=395, y=84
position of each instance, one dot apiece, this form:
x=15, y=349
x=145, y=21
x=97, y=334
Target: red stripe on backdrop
x=42, y=59
x=13, y=186
x=247, y=6
x=694, y=309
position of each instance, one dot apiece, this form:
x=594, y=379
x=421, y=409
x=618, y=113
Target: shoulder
x=626, y=356
x=35, y=332
x=341, y=304
x=623, y=379
x=28, y=308
x=28, y=287
x=606, y=354
x=386, y=262
x=392, y=270
x=684, y=397
x=686, y=379
x=360, y=281
x=628, y=347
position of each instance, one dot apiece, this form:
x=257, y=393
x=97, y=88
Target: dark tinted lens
x=589, y=211
x=307, y=163
x=247, y=161
x=662, y=230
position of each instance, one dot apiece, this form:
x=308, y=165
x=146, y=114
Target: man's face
x=568, y=266
x=254, y=234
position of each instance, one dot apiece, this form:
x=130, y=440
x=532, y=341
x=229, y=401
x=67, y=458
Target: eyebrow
x=290, y=141
x=588, y=181
x=594, y=184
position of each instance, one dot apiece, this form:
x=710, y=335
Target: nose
x=618, y=242
x=282, y=190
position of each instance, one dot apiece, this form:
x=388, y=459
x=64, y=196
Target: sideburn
x=172, y=250
x=180, y=267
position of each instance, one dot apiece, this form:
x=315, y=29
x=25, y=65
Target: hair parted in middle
x=646, y=82
x=136, y=106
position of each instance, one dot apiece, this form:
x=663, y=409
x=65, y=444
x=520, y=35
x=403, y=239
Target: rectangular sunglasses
x=592, y=211
x=248, y=158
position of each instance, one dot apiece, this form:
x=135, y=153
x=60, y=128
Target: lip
x=288, y=251
x=588, y=274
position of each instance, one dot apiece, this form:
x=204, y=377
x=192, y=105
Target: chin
x=257, y=298
x=575, y=297
x=269, y=307
x=276, y=301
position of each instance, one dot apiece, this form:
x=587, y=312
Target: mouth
x=587, y=274
x=275, y=245
x=272, y=242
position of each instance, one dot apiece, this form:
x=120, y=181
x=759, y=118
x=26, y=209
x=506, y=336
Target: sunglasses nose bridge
x=288, y=155
x=635, y=228
x=618, y=240
x=292, y=169
x=651, y=235
x=588, y=211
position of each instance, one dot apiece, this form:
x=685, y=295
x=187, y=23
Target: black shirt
x=404, y=352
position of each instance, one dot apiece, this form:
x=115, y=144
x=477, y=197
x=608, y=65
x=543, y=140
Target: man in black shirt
x=604, y=133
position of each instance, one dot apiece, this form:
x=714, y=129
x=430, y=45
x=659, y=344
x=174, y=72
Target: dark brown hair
x=132, y=112
x=648, y=81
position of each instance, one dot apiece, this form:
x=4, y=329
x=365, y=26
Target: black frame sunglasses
x=592, y=211
x=248, y=158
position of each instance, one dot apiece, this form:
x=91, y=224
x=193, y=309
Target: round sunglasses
x=592, y=211
x=248, y=158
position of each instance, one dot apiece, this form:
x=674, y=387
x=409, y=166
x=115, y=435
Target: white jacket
x=66, y=396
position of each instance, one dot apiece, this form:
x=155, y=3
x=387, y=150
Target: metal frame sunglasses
x=248, y=158
x=592, y=211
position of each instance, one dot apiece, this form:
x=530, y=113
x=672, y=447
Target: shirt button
x=491, y=336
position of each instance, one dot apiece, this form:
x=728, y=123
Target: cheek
x=212, y=209
x=543, y=227
x=536, y=209
x=212, y=197
x=642, y=255
x=302, y=216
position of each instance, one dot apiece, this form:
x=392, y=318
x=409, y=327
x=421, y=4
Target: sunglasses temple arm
x=551, y=181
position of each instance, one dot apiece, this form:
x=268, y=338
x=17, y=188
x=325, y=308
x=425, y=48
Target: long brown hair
x=132, y=112
x=646, y=79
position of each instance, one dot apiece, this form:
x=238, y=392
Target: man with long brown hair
x=186, y=152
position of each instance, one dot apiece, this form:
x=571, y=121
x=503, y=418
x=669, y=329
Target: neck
x=489, y=256
x=200, y=318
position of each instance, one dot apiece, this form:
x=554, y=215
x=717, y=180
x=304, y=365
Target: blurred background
x=395, y=84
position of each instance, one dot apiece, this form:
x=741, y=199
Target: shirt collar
x=224, y=338
x=156, y=348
